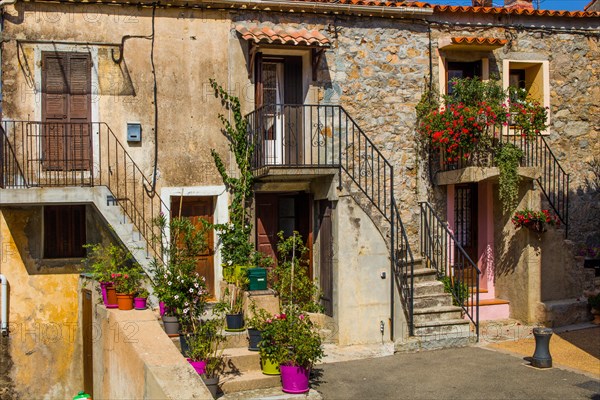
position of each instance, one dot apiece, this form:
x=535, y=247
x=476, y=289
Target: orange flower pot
x=125, y=301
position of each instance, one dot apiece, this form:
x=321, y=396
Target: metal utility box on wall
x=134, y=132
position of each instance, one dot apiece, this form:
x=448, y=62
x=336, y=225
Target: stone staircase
x=242, y=366
x=437, y=323
x=102, y=200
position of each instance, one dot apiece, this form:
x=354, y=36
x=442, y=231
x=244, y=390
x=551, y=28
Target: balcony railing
x=553, y=181
x=45, y=154
x=320, y=136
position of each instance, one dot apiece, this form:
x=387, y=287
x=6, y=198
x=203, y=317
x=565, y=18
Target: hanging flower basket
x=536, y=221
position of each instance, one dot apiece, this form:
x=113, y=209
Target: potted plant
x=291, y=340
x=594, y=302
x=104, y=261
x=126, y=284
x=211, y=334
x=140, y=299
x=534, y=220
x=292, y=267
x=256, y=323
x=176, y=282
x=232, y=304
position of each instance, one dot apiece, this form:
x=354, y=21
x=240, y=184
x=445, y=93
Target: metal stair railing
x=11, y=174
x=444, y=253
x=554, y=181
x=325, y=136
x=52, y=154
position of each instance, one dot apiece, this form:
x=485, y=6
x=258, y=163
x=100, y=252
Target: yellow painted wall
x=43, y=318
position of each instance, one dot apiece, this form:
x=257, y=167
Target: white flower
x=170, y=283
x=186, y=304
x=196, y=285
x=185, y=310
x=176, y=296
x=165, y=275
x=203, y=279
x=230, y=262
x=191, y=290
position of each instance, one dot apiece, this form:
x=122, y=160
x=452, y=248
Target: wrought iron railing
x=403, y=262
x=554, y=181
x=444, y=253
x=46, y=154
x=320, y=136
x=11, y=174
x=326, y=136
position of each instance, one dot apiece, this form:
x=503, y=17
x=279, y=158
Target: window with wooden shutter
x=66, y=111
x=64, y=231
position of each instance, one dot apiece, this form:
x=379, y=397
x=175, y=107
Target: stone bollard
x=541, y=356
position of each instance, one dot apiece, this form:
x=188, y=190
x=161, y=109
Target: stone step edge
x=436, y=310
x=431, y=324
x=248, y=380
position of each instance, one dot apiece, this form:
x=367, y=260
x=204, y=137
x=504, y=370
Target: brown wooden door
x=326, y=255
x=66, y=111
x=197, y=208
x=88, y=342
x=283, y=212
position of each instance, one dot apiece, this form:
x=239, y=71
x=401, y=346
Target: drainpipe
x=4, y=302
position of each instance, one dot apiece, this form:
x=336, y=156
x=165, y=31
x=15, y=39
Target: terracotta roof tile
x=462, y=9
x=518, y=11
x=276, y=34
x=479, y=41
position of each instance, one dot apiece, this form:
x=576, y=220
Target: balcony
x=481, y=164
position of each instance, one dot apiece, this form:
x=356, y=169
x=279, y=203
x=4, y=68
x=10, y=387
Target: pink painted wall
x=485, y=238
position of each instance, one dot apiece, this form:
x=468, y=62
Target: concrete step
x=433, y=343
x=429, y=287
x=241, y=360
x=442, y=327
x=432, y=300
x=424, y=275
x=234, y=340
x=239, y=382
x=441, y=313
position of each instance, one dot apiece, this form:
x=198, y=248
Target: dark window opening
x=64, y=231
x=461, y=69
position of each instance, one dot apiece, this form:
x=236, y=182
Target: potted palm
x=292, y=341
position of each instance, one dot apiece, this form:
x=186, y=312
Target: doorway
x=197, y=208
x=279, y=91
x=287, y=212
x=465, y=221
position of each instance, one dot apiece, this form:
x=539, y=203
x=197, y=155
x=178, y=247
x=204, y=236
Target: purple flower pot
x=139, y=303
x=103, y=286
x=199, y=366
x=294, y=379
x=161, y=308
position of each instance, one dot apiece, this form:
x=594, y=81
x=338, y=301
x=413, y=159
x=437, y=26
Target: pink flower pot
x=294, y=379
x=161, y=308
x=139, y=303
x=199, y=366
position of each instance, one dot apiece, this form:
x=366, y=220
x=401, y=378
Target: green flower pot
x=268, y=367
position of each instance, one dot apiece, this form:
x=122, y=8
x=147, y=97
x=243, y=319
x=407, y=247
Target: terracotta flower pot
x=125, y=301
x=111, y=297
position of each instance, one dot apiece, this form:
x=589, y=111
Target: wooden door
x=66, y=111
x=266, y=223
x=198, y=208
x=285, y=212
x=88, y=342
x=326, y=255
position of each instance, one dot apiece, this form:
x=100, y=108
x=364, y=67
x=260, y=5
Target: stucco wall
x=361, y=296
x=135, y=359
x=43, y=316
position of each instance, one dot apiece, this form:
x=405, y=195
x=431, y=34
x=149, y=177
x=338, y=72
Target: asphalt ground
x=464, y=373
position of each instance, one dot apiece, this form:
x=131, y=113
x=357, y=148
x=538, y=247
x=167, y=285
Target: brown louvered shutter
x=54, y=110
x=66, y=111
x=79, y=110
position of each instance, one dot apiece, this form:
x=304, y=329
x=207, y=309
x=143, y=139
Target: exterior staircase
x=437, y=323
x=242, y=366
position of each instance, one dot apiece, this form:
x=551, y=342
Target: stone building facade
x=149, y=66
